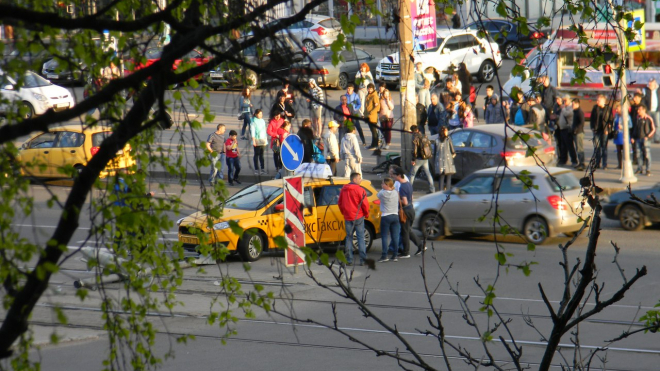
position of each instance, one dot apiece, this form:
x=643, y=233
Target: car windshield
x=565, y=181
x=321, y=55
x=254, y=197
x=32, y=80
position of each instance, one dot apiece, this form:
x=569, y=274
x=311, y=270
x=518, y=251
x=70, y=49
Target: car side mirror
x=371, y=56
x=446, y=51
x=8, y=87
x=456, y=191
x=279, y=207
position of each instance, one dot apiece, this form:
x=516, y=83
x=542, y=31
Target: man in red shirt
x=354, y=206
x=343, y=113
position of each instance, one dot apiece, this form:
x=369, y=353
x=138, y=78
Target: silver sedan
x=318, y=66
x=529, y=200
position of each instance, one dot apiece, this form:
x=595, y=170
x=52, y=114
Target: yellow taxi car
x=261, y=206
x=45, y=153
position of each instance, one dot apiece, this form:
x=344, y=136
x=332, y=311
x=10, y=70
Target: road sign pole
x=294, y=220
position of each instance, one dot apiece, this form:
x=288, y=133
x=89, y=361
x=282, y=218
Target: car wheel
x=535, y=230
x=28, y=111
x=252, y=80
x=511, y=50
x=631, y=218
x=487, y=71
x=251, y=246
x=369, y=235
x=343, y=81
x=432, y=226
x=309, y=45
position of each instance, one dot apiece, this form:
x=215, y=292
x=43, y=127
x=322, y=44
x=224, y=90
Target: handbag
x=240, y=117
x=402, y=214
x=260, y=142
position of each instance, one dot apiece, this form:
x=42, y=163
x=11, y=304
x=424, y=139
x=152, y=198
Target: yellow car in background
x=261, y=206
x=45, y=153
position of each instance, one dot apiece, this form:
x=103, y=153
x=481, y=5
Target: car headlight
x=605, y=199
x=39, y=97
x=178, y=222
x=415, y=205
x=221, y=225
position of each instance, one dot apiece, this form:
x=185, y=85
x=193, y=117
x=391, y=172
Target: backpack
x=425, y=148
x=317, y=155
x=519, y=119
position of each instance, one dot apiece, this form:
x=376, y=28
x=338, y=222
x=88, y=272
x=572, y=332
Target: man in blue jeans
x=354, y=206
x=645, y=130
x=216, y=144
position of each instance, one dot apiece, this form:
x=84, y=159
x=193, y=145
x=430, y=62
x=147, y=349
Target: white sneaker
x=264, y=171
x=404, y=256
x=383, y=260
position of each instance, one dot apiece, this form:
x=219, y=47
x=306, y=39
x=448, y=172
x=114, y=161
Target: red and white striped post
x=293, y=217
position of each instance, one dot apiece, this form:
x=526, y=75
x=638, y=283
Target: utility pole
x=407, y=87
x=627, y=175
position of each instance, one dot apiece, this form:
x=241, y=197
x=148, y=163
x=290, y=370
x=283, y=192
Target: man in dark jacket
x=646, y=129
x=455, y=20
x=548, y=94
x=354, y=206
x=599, y=126
x=306, y=135
x=578, y=133
x=433, y=114
x=634, y=131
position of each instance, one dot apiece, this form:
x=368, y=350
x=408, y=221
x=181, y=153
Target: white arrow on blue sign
x=292, y=152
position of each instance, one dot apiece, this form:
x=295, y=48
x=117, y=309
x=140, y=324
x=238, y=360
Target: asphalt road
x=395, y=293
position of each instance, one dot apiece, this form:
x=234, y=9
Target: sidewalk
x=606, y=179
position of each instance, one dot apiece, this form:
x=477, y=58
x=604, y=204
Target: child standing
x=389, y=220
x=233, y=158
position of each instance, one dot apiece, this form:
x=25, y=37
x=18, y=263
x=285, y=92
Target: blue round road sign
x=292, y=152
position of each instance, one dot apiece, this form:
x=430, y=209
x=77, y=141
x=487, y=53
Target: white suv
x=481, y=57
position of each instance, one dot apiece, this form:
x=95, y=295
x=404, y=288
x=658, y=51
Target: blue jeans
x=424, y=164
x=643, y=151
x=357, y=226
x=389, y=227
x=233, y=168
x=246, y=122
x=600, y=147
x=216, y=164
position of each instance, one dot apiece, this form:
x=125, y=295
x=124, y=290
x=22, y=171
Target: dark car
x=632, y=214
x=509, y=37
x=275, y=55
x=486, y=146
x=320, y=68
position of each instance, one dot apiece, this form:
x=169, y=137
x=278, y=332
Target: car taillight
x=94, y=150
x=549, y=150
x=322, y=71
x=537, y=35
x=512, y=155
x=557, y=203
x=321, y=31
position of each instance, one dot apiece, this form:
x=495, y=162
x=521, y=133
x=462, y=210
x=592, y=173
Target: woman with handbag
x=245, y=109
x=259, y=140
x=390, y=227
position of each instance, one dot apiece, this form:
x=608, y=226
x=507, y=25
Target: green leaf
x=500, y=257
x=531, y=247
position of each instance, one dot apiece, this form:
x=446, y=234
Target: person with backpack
x=421, y=153
x=331, y=147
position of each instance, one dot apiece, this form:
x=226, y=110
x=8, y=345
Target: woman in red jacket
x=274, y=124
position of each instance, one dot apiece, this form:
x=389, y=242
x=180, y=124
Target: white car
x=313, y=32
x=481, y=57
x=37, y=95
